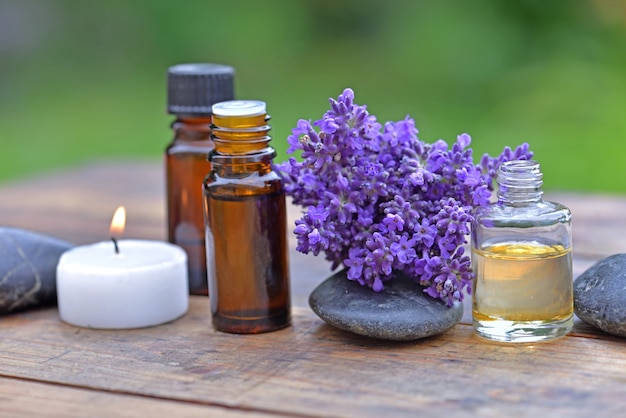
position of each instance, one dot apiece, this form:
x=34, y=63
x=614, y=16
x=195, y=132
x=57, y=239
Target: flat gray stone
x=401, y=312
x=600, y=295
x=28, y=263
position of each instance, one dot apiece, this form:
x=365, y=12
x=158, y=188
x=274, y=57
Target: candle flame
x=118, y=222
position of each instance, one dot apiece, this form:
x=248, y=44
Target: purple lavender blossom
x=380, y=201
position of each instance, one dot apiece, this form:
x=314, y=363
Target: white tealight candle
x=125, y=284
x=144, y=284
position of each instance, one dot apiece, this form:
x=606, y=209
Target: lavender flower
x=380, y=201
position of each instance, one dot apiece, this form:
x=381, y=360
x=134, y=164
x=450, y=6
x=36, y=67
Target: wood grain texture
x=312, y=369
x=309, y=369
x=23, y=398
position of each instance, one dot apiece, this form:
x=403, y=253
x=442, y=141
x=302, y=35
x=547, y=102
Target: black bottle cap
x=193, y=88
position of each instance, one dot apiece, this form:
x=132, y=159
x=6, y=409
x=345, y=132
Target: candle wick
x=117, y=249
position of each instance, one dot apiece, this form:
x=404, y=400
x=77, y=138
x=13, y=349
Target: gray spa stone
x=28, y=263
x=600, y=295
x=401, y=312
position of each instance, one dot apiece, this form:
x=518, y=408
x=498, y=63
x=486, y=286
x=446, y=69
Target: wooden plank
x=20, y=398
x=310, y=369
x=313, y=369
x=598, y=223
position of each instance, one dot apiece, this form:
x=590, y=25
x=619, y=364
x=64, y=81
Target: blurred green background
x=85, y=80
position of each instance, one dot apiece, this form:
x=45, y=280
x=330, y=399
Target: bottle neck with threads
x=519, y=182
x=240, y=134
x=192, y=128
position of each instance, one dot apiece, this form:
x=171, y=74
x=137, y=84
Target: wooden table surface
x=185, y=368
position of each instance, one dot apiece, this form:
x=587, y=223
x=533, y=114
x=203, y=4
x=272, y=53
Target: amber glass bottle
x=246, y=225
x=192, y=90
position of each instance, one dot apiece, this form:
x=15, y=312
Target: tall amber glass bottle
x=192, y=90
x=246, y=228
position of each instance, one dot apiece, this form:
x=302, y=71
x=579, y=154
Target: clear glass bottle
x=192, y=90
x=246, y=224
x=522, y=258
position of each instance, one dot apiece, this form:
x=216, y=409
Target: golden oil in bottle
x=519, y=282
